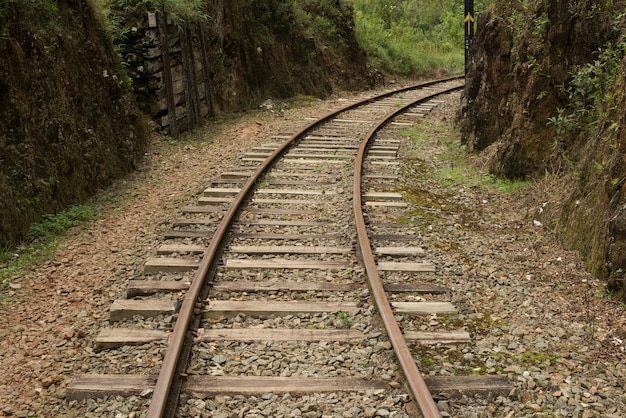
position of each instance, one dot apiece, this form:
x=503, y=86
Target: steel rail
x=172, y=359
x=418, y=386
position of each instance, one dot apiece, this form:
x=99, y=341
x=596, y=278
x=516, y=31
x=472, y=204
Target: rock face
x=241, y=55
x=545, y=95
x=69, y=122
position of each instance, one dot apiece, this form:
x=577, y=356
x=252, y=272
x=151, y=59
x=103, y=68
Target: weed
x=345, y=318
x=53, y=225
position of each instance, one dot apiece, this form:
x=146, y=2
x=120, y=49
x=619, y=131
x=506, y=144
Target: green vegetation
x=53, y=225
x=479, y=365
x=115, y=12
x=179, y=11
x=43, y=242
x=590, y=91
x=345, y=318
x=411, y=37
x=457, y=171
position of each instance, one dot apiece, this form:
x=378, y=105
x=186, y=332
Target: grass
x=457, y=170
x=42, y=242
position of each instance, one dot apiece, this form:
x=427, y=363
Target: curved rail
x=419, y=390
x=160, y=397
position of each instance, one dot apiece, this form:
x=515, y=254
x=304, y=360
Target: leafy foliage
x=589, y=91
x=411, y=37
x=179, y=11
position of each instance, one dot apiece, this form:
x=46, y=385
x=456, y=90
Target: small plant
x=345, y=318
x=52, y=225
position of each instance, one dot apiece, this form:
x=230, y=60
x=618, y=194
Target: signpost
x=469, y=29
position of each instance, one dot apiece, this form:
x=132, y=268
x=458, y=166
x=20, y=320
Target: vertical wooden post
x=187, y=78
x=208, y=92
x=167, y=74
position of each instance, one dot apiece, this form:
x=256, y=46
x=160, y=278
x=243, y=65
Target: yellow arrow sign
x=469, y=19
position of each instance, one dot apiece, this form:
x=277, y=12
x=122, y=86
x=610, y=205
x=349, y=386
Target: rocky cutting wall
x=69, y=123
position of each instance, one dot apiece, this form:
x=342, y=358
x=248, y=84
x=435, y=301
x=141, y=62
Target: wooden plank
x=201, y=209
x=170, y=265
x=424, y=308
x=288, y=249
x=210, y=386
x=300, y=183
x=325, y=146
x=387, y=204
x=185, y=233
x=418, y=251
x=127, y=308
x=305, y=202
x=314, y=161
x=382, y=153
x=250, y=286
x=309, y=174
x=180, y=248
x=260, y=155
x=301, y=192
x=203, y=200
x=303, y=237
x=275, y=334
x=317, y=150
x=330, y=138
x=382, y=176
x=414, y=267
x=389, y=163
x=270, y=222
x=236, y=174
x=331, y=157
x=351, y=120
x=220, y=192
x=382, y=196
x=439, y=337
x=149, y=287
x=219, y=308
x=238, y=182
x=454, y=387
x=285, y=264
x=393, y=148
x=117, y=337
x=90, y=386
x=292, y=212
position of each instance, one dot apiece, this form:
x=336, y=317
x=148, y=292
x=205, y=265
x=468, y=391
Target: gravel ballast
x=535, y=315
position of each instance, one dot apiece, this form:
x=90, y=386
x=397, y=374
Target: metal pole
x=468, y=21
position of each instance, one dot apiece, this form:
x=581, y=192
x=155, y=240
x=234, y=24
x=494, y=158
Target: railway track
x=274, y=290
